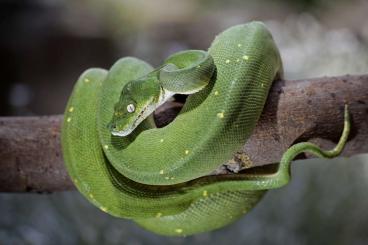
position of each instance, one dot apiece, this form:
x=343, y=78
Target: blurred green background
x=46, y=44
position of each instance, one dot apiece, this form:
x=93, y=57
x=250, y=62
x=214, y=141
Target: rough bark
x=310, y=109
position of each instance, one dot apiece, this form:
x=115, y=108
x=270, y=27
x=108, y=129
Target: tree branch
x=310, y=109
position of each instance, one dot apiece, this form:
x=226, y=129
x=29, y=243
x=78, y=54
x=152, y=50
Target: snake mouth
x=131, y=127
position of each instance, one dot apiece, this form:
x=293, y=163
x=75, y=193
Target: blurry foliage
x=311, y=5
x=297, y=5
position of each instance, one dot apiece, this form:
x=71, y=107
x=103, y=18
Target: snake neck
x=164, y=96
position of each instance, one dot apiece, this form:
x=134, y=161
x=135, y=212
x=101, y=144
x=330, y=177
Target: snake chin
x=121, y=133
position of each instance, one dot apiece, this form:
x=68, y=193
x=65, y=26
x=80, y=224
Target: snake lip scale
x=159, y=177
x=134, y=125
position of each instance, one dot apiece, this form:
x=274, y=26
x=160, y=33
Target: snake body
x=159, y=177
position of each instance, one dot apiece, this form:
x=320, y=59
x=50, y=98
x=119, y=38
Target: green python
x=160, y=177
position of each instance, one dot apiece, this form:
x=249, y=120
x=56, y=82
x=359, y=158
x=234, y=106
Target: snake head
x=135, y=104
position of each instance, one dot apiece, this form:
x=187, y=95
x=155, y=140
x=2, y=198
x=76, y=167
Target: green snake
x=160, y=177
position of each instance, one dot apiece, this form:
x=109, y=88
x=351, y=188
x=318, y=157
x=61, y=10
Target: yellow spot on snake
x=227, y=61
x=68, y=119
x=158, y=215
x=245, y=57
x=167, y=177
x=262, y=85
x=205, y=193
x=172, y=178
x=75, y=181
x=106, y=147
x=237, y=60
x=71, y=109
x=91, y=196
x=179, y=230
x=161, y=140
x=199, y=66
x=186, y=152
x=220, y=115
x=86, y=80
x=216, y=92
x=103, y=209
x=239, y=45
x=161, y=171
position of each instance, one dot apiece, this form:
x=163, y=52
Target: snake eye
x=130, y=108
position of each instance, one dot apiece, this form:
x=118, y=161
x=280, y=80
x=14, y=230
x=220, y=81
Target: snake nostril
x=111, y=126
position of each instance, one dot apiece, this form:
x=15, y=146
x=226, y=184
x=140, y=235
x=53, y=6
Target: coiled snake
x=158, y=177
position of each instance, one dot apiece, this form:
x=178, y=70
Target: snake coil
x=159, y=177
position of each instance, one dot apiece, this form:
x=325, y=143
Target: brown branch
x=311, y=109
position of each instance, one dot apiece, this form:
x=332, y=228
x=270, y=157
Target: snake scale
x=159, y=177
